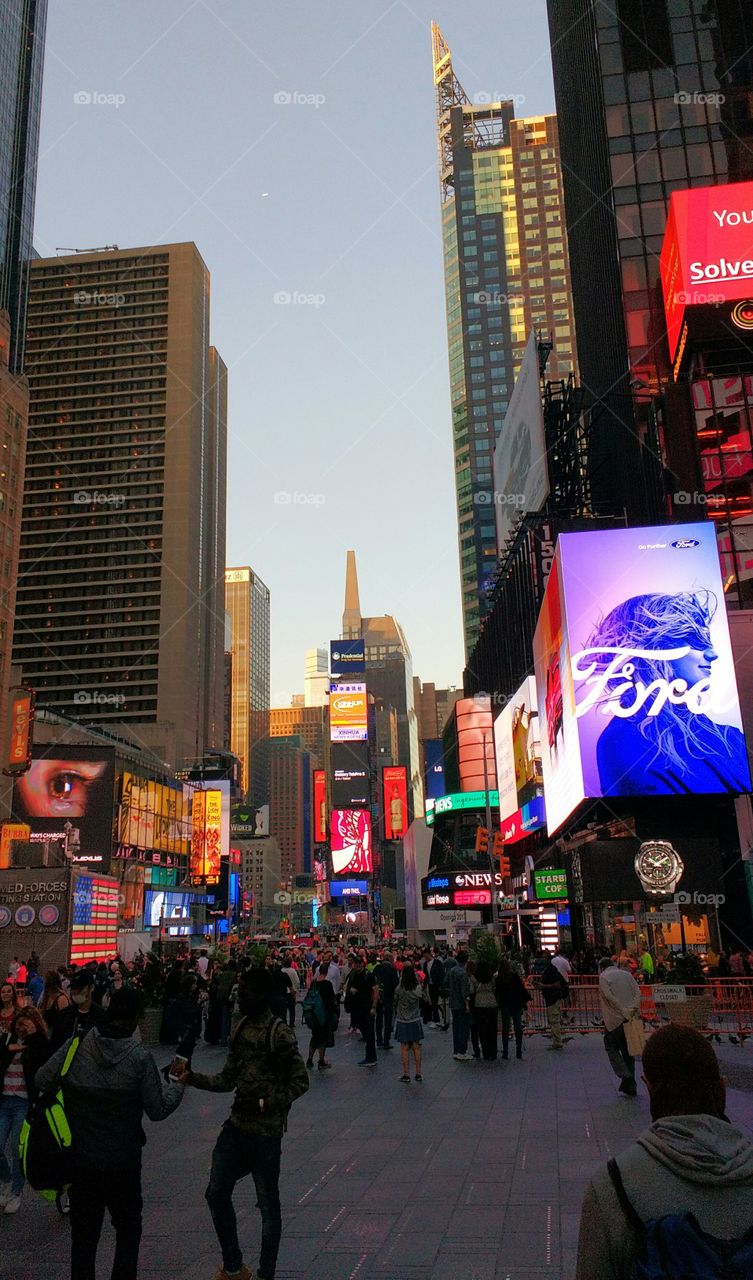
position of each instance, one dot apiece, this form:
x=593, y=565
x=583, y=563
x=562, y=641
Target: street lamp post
x=495, y=913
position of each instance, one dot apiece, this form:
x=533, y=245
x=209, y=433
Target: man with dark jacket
x=81, y=1015
x=226, y=980
x=386, y=977
x=112, y=1082
x=552, y=991
x=268, y=1074
x=459, y=1000
x=435, y=976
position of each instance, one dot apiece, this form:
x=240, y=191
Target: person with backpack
x=320, y=1015
x=267, y=1073
x=678, y=1201
x=111, y=1082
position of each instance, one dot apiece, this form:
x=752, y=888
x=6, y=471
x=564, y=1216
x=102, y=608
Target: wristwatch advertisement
x=659, y=867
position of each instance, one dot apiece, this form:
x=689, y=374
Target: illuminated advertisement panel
x=395, y=792
x=67, y=796
x=473, y=719
x=94, y=919
x=350, y=775
x=351, y=842
x=707, y=254
x=650, y=668
x=20, y=725
x=348, y=713
x=347, y=657
x=555, y=698
x=517, y=748
x=320, y=807
x=434, y=783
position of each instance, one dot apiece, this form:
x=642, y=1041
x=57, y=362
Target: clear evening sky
x=295, y=144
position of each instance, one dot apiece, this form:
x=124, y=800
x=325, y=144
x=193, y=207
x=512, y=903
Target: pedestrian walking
x=267, y=1073
x=54, y=1001
x=9, y=1007
x=551, y=987
x=387, y=978
x=435, y=978
x=324, y=1026
x=23, y=1049
x=484, y=999
x=620, y=1000
x=409, y=1031
x=512, y=1000
x=295, y=985
x=81, y=1015
x=459, y=989
x=684, y=1188
x=113, y=1080
x=362, y=994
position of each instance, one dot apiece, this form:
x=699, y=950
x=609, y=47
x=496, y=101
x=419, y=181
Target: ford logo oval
x=683, y=544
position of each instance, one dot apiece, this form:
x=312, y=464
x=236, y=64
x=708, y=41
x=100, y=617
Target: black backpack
x=46, y=1139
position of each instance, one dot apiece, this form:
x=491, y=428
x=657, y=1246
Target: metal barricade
x=721, y=1007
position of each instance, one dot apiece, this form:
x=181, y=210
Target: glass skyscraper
x=506, y=273
x=247, y=605
x=22, y=31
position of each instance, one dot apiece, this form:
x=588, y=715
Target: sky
x=295, y=145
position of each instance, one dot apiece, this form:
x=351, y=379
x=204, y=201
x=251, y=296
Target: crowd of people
x=253, y=1000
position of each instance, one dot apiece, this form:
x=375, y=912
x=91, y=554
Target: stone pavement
x=477, y=1174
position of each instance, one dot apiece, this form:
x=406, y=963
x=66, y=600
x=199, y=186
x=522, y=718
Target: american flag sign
x=94, y=928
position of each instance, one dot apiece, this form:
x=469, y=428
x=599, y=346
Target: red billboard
x=21, y=720
x=707, y=254
x=320, y=806
x=351, y=842
x=473, y=719
x=395, y=792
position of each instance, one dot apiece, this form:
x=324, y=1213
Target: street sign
x=669, y=994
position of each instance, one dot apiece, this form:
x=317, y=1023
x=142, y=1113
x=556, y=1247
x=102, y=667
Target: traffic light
x=482, y=840
x=504, y=866
x=499, y=844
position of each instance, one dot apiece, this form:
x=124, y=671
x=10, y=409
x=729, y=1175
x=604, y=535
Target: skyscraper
x=316, y=683
x=22, y=32
x=506, y=273
x=120, y=615
x=247, y=603
x=652, y=96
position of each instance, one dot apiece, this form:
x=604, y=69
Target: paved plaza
x=476, y=1174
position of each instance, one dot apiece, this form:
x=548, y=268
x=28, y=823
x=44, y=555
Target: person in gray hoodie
x=112, y=1082
x=690, y=1160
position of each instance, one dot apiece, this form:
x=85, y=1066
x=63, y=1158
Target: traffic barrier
x=722, y=1007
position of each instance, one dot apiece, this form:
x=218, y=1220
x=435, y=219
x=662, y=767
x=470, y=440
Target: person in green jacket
x=267, y=1073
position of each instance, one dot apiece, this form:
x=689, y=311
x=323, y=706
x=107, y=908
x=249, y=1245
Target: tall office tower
x=506, y=273
x=22, y=31
x=14, y=416
x=247, y=603
x=652, y=96
x=120, y=613
x=290, y=804
x=316, y=684
x=310, y=724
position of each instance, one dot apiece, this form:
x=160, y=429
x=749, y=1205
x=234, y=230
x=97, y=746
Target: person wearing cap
x=112, y=1082
x=82, y=1014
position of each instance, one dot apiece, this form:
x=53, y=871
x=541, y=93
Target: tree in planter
x=485, y=948
x=686, y=971
x=695, y=1011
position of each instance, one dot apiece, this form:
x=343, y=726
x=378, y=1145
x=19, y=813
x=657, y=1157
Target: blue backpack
x=675, y=1248
x=314, y=1011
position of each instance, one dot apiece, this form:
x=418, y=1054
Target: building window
x=645, y=34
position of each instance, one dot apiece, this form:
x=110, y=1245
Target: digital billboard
x=347, y=657
x=460, y=801
x=473, y=720
x=517, y=749
x=350, y=838
x=348, y=713
x=348, y=888
x=320, y=807
x=395, y=792
x=707, y=254
x=210, y=832
x=67, y=797
x=550, y=884
x=94, y=918
x=635, y=678
x=461, y=888
x=434, y=783
x=521, y=477
x=350, y=775
x=20, y=730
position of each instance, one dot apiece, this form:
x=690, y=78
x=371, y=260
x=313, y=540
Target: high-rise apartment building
x=290, y=805
x=247, y=604
x=22, y=32
x=120, y=611
x=652, y=96
x=14, y=414
x=506, y=273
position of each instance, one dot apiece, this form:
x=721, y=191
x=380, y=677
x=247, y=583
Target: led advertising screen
x=94, y=918
x=647, y=700
x=434, y=783
x=517, y=748
x=67, y=796
x=473, y=718
x=395, y=792
x=320, y=807
x=521, y=478
x=348, y=713
x=550, y=884
x=348, y=888
x=350, y=775
x=351, y=842
x=347, y=657
x=707, y=254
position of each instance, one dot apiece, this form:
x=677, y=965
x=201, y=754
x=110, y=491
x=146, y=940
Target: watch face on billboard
x=348, y=713
x=395, y=784
x=67, y=796
x=351, y=842
x=651, y=670
x=518, y=753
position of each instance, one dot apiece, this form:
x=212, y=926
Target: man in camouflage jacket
x=268, y=1074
